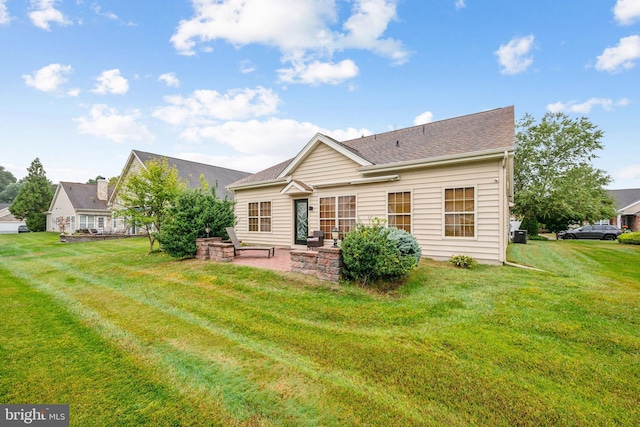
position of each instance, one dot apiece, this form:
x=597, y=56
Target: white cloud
x=585, y=107
x=514, y=56
x=627, y=12
x=73, y=92
x=206, y=106
x=311, y=35
x=44, y=12
x=5, y=18
x=111, y=81
x=316, y=72
x=170, y=79
x=460, y=4
x=247, y=67
x=109, y=15
x=106, y=122
x=48, y=78
x=630, y=172
x=426, y=117
x=621, y=57
x=264, y=138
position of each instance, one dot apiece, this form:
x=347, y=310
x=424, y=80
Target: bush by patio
x=630, y=238
x=374, y=253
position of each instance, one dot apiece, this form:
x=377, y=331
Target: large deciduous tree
x=33, y=198
x=555, y=182
x=147, y=194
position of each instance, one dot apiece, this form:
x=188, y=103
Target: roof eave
x=496, y=153
x=267, y=183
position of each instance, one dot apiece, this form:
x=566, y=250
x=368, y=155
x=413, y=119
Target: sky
x=245, y=84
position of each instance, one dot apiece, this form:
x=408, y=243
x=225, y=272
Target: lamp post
x=335, y=233
x=207, y=230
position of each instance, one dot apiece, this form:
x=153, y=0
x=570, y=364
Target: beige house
x=80, y=206
x=192, y=173
x=627, y=203
x=449, y=183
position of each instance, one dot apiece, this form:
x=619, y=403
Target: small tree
x=188, y=218
x=147, y=195
x=33, y=198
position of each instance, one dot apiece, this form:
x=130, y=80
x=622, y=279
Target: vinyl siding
x=62, y=207
x=426, y=185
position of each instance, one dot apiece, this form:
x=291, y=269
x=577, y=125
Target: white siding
x=62, y=207
x=426, y=185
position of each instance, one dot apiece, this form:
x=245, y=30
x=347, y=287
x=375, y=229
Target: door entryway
x=301, y=213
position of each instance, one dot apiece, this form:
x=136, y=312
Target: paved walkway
x=281, y=261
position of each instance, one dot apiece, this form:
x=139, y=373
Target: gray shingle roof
x=624, y=198
x=84, y=196
x=191, y=171
x=466, y=134
x=488, y=130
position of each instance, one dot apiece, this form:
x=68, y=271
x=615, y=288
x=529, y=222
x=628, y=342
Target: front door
x=301, y=212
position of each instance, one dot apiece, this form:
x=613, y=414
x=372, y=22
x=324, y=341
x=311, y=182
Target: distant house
x=81, y=206
x=449, y=183
x=627, y=204
x=8, y=223
x=190, y=172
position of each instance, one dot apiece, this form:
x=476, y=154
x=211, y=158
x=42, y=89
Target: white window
x=459, y=212
x=399, y=210
x=260, y=216
x=337, y=212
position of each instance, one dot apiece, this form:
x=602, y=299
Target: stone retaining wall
x=325, y=263
x=212, y=248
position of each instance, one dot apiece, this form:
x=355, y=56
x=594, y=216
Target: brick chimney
x=102, y=191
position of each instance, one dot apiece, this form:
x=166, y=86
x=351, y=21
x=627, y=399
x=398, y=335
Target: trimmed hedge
x=630, y=238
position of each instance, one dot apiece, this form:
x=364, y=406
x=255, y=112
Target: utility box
x=520, y=236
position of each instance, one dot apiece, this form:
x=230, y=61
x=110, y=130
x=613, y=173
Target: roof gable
x=626, y=197
x=189, y=171
x=329, y=142
x=81, y=196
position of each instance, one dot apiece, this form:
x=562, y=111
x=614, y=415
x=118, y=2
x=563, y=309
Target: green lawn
x=128, y=338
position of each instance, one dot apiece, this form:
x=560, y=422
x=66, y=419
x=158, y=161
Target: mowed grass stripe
x=52, y=357
x=130, y=312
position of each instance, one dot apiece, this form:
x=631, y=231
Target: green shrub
x=531, y=225
x=630, y=238
x=537, y=237
x=462, y=261
x=188, y=218
x=374, y=253
x=405, y=242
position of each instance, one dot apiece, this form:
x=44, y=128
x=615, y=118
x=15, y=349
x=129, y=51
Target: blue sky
x=246, y=84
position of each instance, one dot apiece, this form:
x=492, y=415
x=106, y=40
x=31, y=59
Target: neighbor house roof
x=492, y=130
x=84, y=197
x=5, y=215
x=625, y=198
x=191, y=171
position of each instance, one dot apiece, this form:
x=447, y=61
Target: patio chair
x=316, y=241
x=237, y=247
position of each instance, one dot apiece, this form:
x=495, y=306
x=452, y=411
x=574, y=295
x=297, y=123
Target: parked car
x=602, y=232
x=23, y=229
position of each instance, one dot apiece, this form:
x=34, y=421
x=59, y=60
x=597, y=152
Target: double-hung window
x=460, y=212
x=337, y=212
x=399, y=210
x=260, y=216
